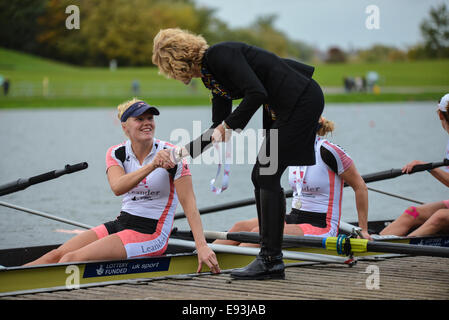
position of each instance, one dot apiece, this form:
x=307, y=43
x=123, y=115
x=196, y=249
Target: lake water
x=377, y=136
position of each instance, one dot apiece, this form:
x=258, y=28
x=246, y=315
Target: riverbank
x=41, y=83
x=197, y=100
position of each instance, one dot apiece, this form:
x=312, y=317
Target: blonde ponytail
x=326, y=126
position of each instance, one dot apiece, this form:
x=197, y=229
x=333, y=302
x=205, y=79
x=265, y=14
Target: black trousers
x=291, y=144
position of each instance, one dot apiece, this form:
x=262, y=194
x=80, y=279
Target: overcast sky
x=325, y=23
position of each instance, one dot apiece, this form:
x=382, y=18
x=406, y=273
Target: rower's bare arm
x=352, y=177
x=122, y=182
x=186, y=196
x=441, y=176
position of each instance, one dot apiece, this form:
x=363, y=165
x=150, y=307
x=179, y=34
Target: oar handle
x=75, y=167
x=393, y=173
x=22, y=184
x=57, y=173
x=381, y=175
x=429, y=166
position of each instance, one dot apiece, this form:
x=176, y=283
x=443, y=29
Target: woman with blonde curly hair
x=293, y=103
x=317, y=193
x=139, y=169
x=178, y=54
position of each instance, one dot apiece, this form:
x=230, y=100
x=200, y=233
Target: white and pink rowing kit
x=318, y=189
x=153, y=199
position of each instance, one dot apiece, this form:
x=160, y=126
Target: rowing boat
x=179, y=260
x=16, y=279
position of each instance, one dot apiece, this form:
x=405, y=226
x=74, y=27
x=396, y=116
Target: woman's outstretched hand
x=409, y=166
x=207, y=256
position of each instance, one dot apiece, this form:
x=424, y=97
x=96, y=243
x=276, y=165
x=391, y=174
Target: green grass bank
x=42, y=83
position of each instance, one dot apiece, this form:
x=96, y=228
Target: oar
x=22, y=184
x=291, y=255
x=191, y=244
x=395, y=195
x=371, y=177
x=45, y=215
x=338, y=244
x=229, y=205
x=393, y=173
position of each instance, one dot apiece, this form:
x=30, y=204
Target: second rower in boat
x=433, y=217
x=317, y=193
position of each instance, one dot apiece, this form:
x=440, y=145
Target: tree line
x=123, y=30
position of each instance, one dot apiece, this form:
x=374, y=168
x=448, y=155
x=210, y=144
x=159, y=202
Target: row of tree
x=123, y=30
x=434, y=30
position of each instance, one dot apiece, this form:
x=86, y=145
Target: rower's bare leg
x=107, y=248
x=411, y=218
x=72, y=244
x=291, y=229
x=245, y=225
x=437, y=222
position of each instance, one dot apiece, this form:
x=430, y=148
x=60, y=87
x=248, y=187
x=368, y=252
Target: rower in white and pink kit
x=142, y=172
x=318, y=190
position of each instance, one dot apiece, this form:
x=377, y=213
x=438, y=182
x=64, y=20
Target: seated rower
x=317, y=193
x=433, y=217
x=134, y=168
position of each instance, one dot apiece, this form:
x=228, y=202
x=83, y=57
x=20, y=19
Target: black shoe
x=261, y=269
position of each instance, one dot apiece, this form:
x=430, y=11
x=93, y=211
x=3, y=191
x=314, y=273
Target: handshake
x=219, y=134
x=168, y=158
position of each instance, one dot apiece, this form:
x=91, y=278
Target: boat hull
x=178, y=260
x=17, y=280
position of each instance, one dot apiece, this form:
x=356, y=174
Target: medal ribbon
x=225, y=147
x=300, y=174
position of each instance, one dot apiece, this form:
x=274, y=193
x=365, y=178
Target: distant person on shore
x=372, y=77
x=429, y=218
x=348, y=84
x=139, y=169
x=135, y=87
x=317, y=193
x=5, y=86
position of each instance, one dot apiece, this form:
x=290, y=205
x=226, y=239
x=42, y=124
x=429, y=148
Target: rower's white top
x=322, y=188
x=155, y=195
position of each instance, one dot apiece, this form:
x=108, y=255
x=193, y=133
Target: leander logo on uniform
x=145, y=195
x=143, y=265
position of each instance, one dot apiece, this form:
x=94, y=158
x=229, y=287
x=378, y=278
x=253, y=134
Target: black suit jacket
x=257, y=76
